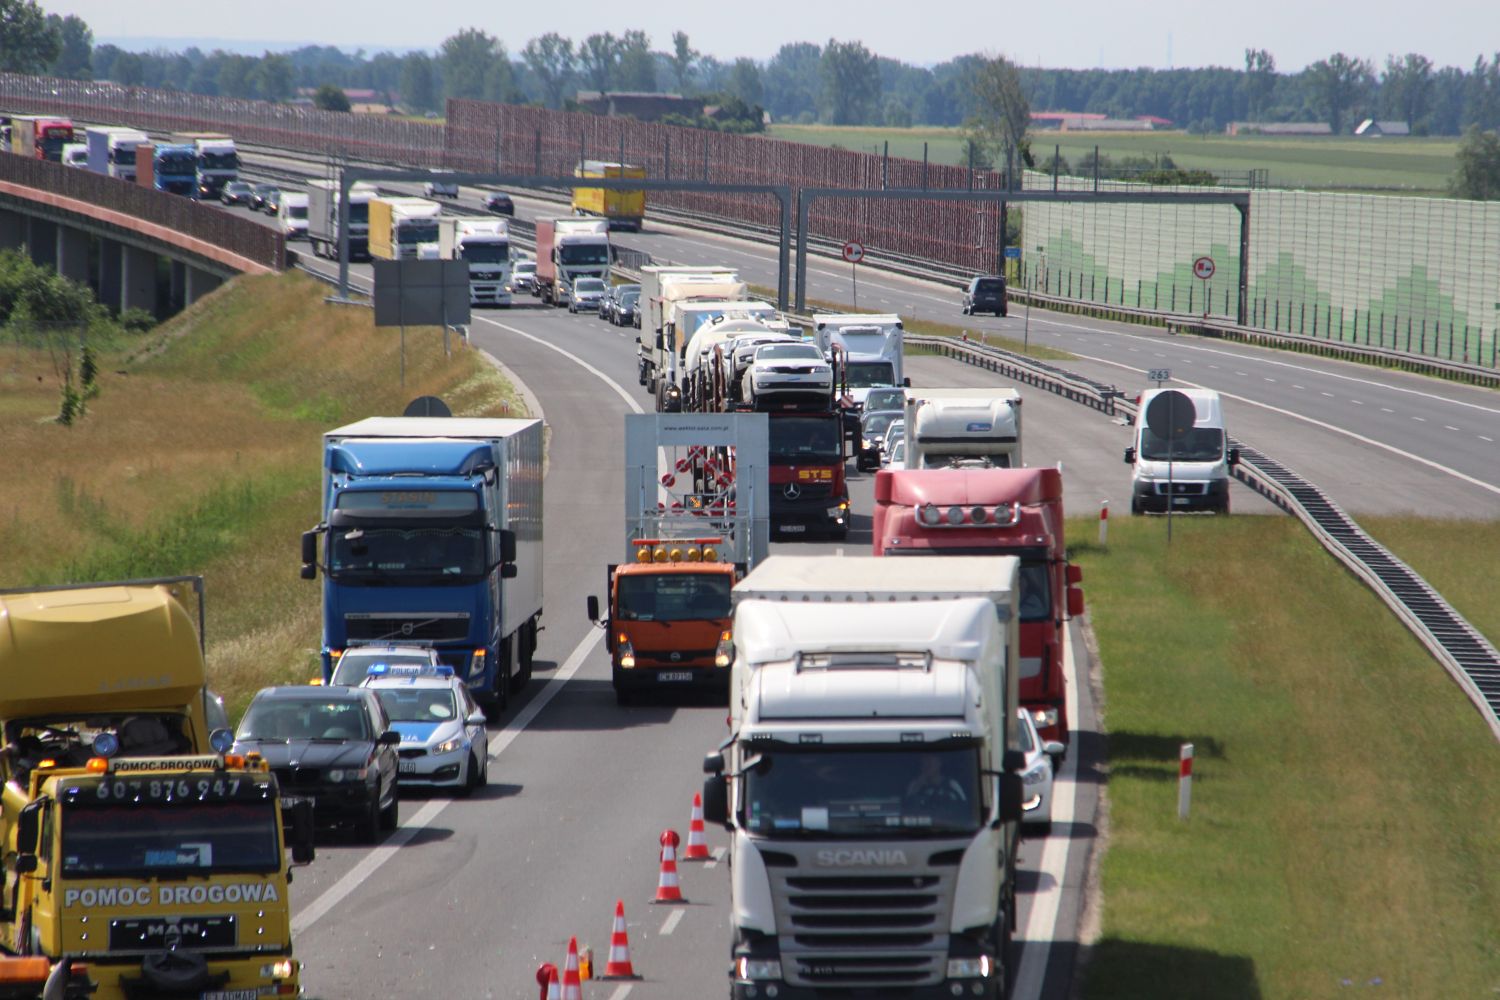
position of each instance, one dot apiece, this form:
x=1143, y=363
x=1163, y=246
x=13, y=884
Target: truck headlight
x=627, y=654
x=969, y=968
x=284, y=968
x=724, y=652
x=448, y=746
x=758, y=968
x=1044, y=717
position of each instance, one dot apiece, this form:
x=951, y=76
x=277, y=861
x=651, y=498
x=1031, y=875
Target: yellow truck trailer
x=623, y=209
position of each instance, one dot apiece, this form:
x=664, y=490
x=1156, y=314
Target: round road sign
x=1203, y=268
x=1171, y=415
x=854, y=252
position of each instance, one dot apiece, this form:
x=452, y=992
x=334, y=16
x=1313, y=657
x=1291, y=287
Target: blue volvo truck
x=432, y=535
x=174, y=169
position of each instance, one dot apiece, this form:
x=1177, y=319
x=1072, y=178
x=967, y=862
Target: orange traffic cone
x=697, y=842
x=572, y=986
x=618, y=966
x=547, y=977
x=667, y=888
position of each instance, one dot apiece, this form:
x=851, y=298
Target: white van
x=293, y=215
x=1192, y=472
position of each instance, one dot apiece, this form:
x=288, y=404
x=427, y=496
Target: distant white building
x=1374, y=128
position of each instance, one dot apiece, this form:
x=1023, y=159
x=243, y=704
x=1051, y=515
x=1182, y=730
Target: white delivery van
x=1188, y=473
x=293, y=215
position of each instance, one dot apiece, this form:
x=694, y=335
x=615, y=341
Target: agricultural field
x=1419, y=166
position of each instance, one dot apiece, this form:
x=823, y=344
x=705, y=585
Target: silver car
x=1037, y=774
x=586, y=294
x=443, y=739
x=523, y=277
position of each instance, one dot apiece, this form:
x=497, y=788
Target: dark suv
x=333, y=746
x=985, y=293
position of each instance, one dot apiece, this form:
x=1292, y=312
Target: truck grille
x=439, y=627
x=863, y=931
x=807, y=494
x=1181, y=489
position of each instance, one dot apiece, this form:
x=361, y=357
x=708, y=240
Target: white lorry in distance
x=872, y=348
x=485, y=244
x=323, y=218
x=75, y=154
x=1189, y=472
x=663, y=290
x=963, y=428
x=872, y=794
x=293, y=215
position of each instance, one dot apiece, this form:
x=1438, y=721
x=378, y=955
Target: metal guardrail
x=1469, y=658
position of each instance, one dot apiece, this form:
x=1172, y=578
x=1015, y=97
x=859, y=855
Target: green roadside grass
x=202, y=454
x=1393, y=165
x=1343, y=833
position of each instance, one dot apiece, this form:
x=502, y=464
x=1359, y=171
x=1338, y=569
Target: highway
x=467, y=898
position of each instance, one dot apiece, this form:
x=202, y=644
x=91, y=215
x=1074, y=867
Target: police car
x=443, y=739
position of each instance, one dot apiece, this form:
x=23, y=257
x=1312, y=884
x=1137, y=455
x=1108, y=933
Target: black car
x=237, y=193
x=985, y=293
x=333, y=746
x=499, y=202
x=609, y=307
x=625, y=308
x=259, y=193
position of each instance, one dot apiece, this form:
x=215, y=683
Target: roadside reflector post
x=1184, y=780
x=1103, y=522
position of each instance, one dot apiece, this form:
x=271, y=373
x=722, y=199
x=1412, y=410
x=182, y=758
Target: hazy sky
x=1077, y=33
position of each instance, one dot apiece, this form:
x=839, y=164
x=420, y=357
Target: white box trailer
x=963, y=428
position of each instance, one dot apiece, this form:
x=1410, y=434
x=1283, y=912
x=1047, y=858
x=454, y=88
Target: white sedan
x=1036, y=775
x=787, y=368
x=443, y=739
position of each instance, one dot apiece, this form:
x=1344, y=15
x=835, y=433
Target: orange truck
x=697, y=518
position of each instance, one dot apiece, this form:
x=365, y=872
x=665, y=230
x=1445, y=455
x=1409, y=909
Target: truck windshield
x=486, y=253
x=296, y=211
x=587, y=253
x=175, y=163
x=870, y=374
x=1202, y=444
x=219, y=161
x=671, y=597
x=53, y=143
x=377, y=556
x=148, y=839
x=806, y=440
x=359, y=212
x=419, y=231
x=897, y=792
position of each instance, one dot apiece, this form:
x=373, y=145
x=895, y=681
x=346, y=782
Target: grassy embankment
x=1344, y=163
x=201, y=454
x=1342, y=834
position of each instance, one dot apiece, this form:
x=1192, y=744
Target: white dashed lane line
x=1449, y=427
x=670, y=924
x=1489, y=439
x=1421, y=420
x=1386, y=409
x=1357, y=402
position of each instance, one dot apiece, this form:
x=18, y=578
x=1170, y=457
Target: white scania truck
x=963, y=428
x=870, y=778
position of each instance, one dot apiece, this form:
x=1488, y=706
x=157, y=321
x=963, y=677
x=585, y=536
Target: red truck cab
x=991, y=512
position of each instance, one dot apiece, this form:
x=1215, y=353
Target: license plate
x=406, y=767
x=675, y=675
x=230, y=995
x=1182, y=500
x=793, y=529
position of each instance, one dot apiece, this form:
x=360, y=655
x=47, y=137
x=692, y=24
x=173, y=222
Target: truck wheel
x=527, y=642
x=510, y=680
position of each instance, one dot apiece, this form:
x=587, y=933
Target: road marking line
x=619, y=390
x=621, y=992
x=1386, y=409
x=1449, y=427
x=1357, y=402
x=1296, y=386
x=713, y=862
x=1268, y=378
x=1041, y=923
x=1246, y=374
x=1332, y=428
x=1420, y=419
x=1328, y=394
x=371, y=862
x=1489, y=439
x=670, y=924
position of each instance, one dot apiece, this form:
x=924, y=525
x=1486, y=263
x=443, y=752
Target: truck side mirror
x=1234, y=456
x=592, y=605
x=906, y=383
x=509, y=571
x=303, y=851
x=508, y=546
x=1129, y=456
x=309, y=555
x=1075, y=602
x=1074, y=574
x=716, y=800
x=1010, y=798
x=28, y=829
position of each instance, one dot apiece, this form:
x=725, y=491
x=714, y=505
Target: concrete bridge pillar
x=137, y=279
x=41, y=240
x=12, y=230
x=73, y=254
x=111, y=266
x=200, y=283
x=176, y=286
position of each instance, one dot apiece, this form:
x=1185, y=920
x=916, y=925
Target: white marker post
x=1184, y=780
x=1103, y=523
